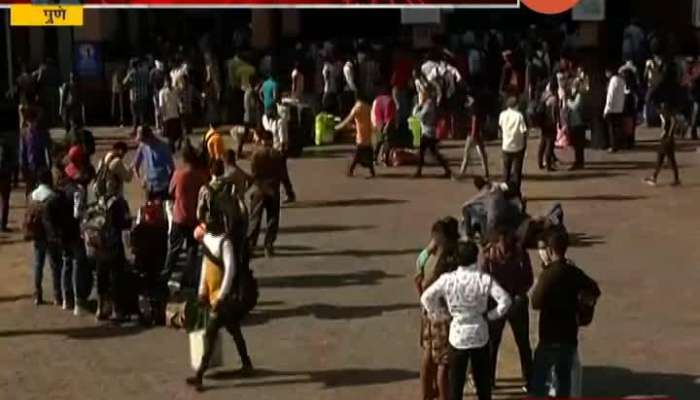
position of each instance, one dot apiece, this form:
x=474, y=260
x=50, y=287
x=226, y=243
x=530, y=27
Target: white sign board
x=589, y=10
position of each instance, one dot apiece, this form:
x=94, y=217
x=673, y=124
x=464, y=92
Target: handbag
x=197, y=338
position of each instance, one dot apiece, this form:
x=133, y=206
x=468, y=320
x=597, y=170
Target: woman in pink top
x=384, y=112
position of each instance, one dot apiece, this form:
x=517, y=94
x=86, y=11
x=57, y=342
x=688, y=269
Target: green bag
x=415, y=128
x=325, y=128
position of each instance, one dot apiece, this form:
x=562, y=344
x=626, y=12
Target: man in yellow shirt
x=214, y=143
x=361, y=114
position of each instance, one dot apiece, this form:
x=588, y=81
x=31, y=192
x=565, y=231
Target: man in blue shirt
x=157, y=161
x=269, y=92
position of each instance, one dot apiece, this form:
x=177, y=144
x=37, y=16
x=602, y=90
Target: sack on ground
x=325, y=127
x=402, y=157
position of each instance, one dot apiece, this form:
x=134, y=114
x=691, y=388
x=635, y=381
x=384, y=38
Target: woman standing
x=435, y=260
x=548, y=125
x=466, y=292
x=577, y=126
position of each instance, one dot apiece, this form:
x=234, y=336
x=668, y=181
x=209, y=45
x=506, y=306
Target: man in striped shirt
x=137, y=80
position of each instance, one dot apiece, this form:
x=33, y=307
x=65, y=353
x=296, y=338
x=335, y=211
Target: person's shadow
x=599, y=381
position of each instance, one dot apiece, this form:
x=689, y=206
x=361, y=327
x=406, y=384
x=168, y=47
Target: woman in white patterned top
x=466, y=292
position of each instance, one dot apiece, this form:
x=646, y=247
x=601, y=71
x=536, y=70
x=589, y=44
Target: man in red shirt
x=184, y=190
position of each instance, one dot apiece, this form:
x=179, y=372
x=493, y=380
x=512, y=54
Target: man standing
x=614, y=107
x=35, y=151
x=514, y=132
x=137, y=80
x=267, y=167
x=156, y=78
x=184, y=190
x=169, y=112
x=269, y=93
x=330, y=75
x=565, y=297
x=427, y=113
x=360, y=114
x=118, y=94
x=276, y=121
x=157, y=162
x=71, y=107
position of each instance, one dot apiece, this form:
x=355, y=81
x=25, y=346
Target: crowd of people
x=79, y=219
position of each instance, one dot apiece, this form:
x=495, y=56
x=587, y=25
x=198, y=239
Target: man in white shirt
x=466, y=292
x=513, y=129
x=277, y=122
x=614, y=106
x=169, y=110
x=297, y=82
x=330, y=86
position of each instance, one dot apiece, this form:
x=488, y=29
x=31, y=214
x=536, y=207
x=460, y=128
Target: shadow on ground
x=81, y=333
x=360, y=278
x=12, y=299
x=322, y=228
x=577, y=239
x=621, y=382
x=598, y=197
x=344, y=203
x=569, y=176
x=325, y=312
x=329, y=379
x=349, y=253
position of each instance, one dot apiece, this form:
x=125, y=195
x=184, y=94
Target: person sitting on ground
x=466, y=293
x=157, y=162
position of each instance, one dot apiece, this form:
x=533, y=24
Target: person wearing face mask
x=565, y=297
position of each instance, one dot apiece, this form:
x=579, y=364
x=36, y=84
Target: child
x=667, y=146
x=364, y=154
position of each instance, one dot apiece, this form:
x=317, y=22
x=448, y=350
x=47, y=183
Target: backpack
x=33, y=224
x=94, y=230
x=103, y=177
x=226, y=213
x=585, y=307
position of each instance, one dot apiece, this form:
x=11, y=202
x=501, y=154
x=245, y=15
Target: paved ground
x=338, y=312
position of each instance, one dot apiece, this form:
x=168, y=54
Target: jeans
x=118, y=104
x=430, y=143
x=111, y=282
x=614, y=125
x=53, y=251
x=519, y=320
x=553, y=356
x=459, y=364
x=470, y=143
x=513, y=167
x=667, y=149
x=138, y=112
x=270, y=204
x=181, y=235
x=75, y=275
x=545, y=151
x=578, y=141
x=233, y=326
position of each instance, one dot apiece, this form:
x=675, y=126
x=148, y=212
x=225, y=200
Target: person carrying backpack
x=41, y=227
x=112, y=173
x=104, y=227
x=79, y=136
x=227, y=287
x=565, y=297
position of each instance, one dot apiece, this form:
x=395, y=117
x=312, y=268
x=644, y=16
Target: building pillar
x=36, y=46
x=263, y=27
x=291, y=22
